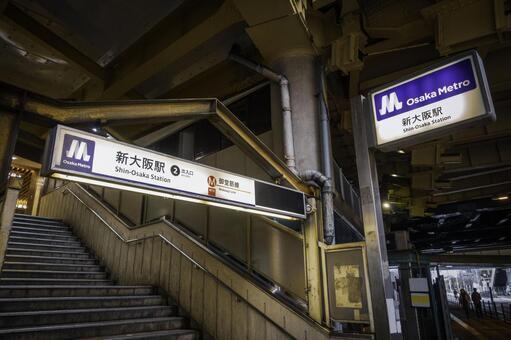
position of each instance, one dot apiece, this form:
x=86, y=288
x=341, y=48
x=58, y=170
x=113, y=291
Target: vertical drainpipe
x=287, y=133
x=323, y=181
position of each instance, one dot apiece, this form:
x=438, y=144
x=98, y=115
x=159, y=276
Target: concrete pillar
x=37, y=194
x=8, y=207
x=301, y=71
x=187, y=144
x=9, y=123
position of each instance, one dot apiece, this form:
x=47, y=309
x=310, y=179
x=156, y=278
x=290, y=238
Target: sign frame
x=48, y=169
x=420, y=137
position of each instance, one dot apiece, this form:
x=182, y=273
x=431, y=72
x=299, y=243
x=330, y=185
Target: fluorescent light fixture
x=167, y=195
x=394, y=175
x=386, y=205
x=401, y=151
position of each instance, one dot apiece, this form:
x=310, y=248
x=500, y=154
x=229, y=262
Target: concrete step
x=37, y=246
x=93, y=329
x=52, y=274
x=42, y=231
x=37, y=218
x=49, y=259
x=11, y=250
x=41, y=236
x=52, y=266
x=32, y=219
x=173, y=334
x=39, y=318
x=23, y=291
x=44, y=241
x=36, y=225
x=77, y=302
x=7, y=281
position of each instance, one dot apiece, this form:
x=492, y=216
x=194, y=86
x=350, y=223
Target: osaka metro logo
x=389, y=103
x=77, y=153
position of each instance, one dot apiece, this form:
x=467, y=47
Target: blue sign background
x=428, y=83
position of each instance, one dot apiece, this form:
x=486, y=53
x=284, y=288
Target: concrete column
x=37, y=194
x=301, y=71
x=8, y=207
x=187, y=144
x=9, y=123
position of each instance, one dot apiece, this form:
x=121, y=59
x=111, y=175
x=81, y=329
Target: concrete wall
x=218, y=298
x=271, y=252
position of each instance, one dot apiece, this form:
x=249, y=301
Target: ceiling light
x=501, y=198
x=386, y=205
x=394, y=175
x=401, y=151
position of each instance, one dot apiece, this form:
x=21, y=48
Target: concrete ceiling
x=112, y=49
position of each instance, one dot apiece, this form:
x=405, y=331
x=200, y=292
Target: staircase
x=51, y=287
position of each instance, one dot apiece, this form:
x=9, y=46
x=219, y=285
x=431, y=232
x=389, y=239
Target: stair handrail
x=195, y=263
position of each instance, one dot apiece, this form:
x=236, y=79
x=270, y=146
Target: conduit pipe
x=323, y=181
x=326, y=160
x=287, y=131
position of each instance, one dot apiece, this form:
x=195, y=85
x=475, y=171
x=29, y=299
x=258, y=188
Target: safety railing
x=195, y=264
x=489, y=309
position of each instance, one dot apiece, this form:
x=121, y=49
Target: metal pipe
x=323, y=181
x=285, y=100
x=326, y=160
x=326, y=152
x=327, y=193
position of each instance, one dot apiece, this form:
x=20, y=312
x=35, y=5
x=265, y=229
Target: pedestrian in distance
x=476, y=299
x=465, y=302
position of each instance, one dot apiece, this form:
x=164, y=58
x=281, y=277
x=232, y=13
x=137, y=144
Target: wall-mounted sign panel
x=79, y=156
x=426, y=105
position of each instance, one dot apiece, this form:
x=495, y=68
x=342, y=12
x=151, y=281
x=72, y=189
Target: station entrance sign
x=84, y=157
x=424, y=106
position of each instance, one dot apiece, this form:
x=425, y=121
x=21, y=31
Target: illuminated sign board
x=84, y=157
x=435, y=101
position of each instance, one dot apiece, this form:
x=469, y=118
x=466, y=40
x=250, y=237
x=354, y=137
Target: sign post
x=420, y=107
x=79, y=156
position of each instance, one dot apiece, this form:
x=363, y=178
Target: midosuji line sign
x=84, y=157
x=435, y=101
x=444, y=97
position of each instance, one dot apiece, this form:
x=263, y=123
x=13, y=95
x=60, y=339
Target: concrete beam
x=47, y=38
x=472, y=259
x=192, y=24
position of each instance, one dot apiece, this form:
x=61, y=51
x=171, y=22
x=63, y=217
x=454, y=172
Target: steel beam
x=161, y=46
x=176, y=109
x=261, y=154
x=46, y=37
x=490, y=260
x=382, y=294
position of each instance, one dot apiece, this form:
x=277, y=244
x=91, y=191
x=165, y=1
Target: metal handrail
x=195, y=263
